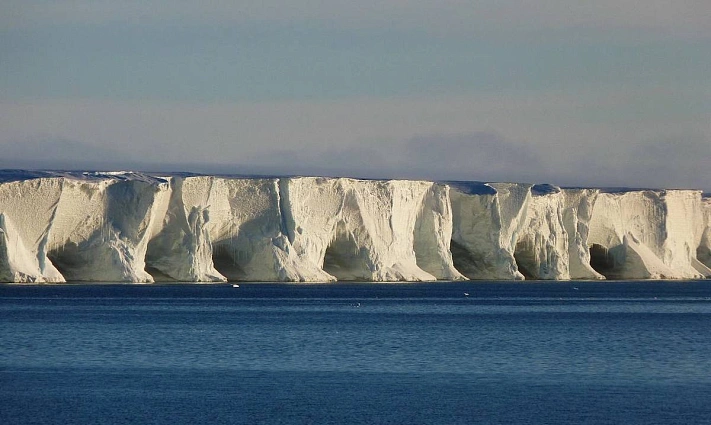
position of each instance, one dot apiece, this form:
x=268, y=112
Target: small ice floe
x=235, y=286
x=356, y=304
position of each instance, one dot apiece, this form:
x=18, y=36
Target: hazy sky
x=604, y=93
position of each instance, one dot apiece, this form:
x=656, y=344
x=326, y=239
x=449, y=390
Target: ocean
x=352, y=353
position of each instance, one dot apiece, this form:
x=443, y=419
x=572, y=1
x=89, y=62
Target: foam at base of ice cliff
x=130, y=227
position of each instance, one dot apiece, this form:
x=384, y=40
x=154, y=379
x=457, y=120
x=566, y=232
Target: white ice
x=132, y=227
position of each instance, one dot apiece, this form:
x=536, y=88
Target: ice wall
x=92, y=227
x=577, y=214
x=131, y=227
x=542, y=247
x=647, y=234
x=433, y=234
x=226, y=228
x=517, y=231
x=371, y=230
x=181, y=248
x=703, y=251
x=27, y=209
x=101, y=228
x=553, y=243
x=248, y=233
x=487, y=220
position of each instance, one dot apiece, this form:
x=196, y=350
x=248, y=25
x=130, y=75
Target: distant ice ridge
x=133, y=227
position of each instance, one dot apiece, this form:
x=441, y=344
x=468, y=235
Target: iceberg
x=703, y=252
x=370, y=230
x=647, y=234
x=143, y=228
x=487, y=219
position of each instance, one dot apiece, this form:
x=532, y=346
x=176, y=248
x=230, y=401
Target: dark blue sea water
x=522, y=353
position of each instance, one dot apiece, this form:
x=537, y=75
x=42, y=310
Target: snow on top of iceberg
x=472, y=188
x=117, y=175
x=19, y=175
x=544, y=189
x=466, y=187
x=621, y=189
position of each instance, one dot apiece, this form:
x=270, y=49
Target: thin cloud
x=577, y=139
x=483, y=156
x=474, y=156
x=62, y=154
x=445, y=16
x=678, y=162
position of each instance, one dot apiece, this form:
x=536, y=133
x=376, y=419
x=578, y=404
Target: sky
x=603, y=93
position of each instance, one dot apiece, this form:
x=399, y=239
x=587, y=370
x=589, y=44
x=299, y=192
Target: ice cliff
x=649, y=234
x=132, y=227
x=370, y=230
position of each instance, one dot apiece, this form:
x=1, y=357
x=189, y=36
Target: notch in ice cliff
x=134, y=227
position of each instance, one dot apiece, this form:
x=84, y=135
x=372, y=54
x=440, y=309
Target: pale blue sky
x=610, y=93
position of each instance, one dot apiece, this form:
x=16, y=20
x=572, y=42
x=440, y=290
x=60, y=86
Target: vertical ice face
x=510, y=230
x=101, y=228
x=213, y=227
x=541, y=251
x=181, y=248
x=227, y=228
x=577, y=214
x=487, y=220
x=314, y=206
x=20, y=264
x=27, y=209
x=249, y=234
x=646, y=234
x=684, y=222
x=553, y=242
x=130, y=227
x=366, y=230
x=703, y=251
x=382, y=216
x=433, y=234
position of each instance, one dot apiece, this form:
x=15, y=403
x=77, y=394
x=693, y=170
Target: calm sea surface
x=449, y=353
